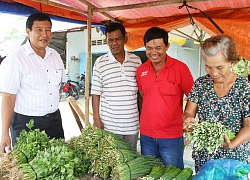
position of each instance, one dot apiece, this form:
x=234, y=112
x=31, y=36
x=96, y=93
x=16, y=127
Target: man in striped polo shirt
x=114, y=88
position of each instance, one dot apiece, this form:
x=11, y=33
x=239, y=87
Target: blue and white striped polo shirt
x=117, y=87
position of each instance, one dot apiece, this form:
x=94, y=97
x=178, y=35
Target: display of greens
x=208, y=136
x=35, y=156
x=111, y=156
x=169, y=173
x=95, y=152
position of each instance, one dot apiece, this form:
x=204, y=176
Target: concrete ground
x=71, y=128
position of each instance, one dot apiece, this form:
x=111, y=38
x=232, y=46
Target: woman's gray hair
x=221, y=44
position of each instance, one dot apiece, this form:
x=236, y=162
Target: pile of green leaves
x=30, y=142
x=39, y=157
x=57, y=161
x=209, y=136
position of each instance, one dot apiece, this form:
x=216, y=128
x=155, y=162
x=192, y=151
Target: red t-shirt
x=163, y=98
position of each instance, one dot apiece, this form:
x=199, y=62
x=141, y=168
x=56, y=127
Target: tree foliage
x=242, y=67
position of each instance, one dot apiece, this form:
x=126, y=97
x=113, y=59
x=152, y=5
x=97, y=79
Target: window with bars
x=97, y=42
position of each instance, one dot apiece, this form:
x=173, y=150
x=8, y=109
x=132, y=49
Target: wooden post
x=88, y=63
x=77, y=112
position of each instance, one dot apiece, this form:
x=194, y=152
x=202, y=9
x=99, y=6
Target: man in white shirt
x=114, y=89
x=30, y=82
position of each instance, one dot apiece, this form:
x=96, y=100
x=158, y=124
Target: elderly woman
x=223, y=96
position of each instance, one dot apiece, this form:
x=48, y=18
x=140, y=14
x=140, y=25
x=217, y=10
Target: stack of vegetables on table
x=95, y=152
x=112, y=157
x=208, y=136
x=169, y=173
x=35, y=156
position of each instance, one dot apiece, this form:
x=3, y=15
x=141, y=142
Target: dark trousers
x=51, y=124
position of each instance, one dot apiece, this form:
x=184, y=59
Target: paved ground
x=71, y=129
x=70, y=126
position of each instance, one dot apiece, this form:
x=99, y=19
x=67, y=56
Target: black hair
x=113, y=27
x=155, y=33
x=37, y=17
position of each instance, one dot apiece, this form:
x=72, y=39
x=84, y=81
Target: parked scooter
x=81, y=83
x=70, y=89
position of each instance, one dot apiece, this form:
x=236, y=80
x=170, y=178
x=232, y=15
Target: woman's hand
x=227, y=143
x=242, y=136
x=188, y=124
x=188, y=116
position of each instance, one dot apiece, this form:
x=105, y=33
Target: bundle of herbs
x=103, y=148
x=208, y=136
x=111, y=156
x=110, y=152
x=135, y=168
x=116, y=151
x=170, y=173
x=89, y=138
x=156, y=173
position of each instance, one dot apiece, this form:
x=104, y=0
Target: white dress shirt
x=35, y=80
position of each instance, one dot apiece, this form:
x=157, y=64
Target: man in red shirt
x=162, y=82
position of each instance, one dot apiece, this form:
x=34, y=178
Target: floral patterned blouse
x=228, y=110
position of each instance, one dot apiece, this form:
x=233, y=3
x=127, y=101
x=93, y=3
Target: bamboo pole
x=88, y=62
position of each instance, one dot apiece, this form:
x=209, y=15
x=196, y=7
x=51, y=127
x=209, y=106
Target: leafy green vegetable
x=209, y=136
x=156, y=173
x=170, y=173
x=56, y=162
x=29, y=143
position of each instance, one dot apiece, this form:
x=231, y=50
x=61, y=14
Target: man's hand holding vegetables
x=220, y=98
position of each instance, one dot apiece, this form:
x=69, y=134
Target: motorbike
x=81, y=83
x=70, y=89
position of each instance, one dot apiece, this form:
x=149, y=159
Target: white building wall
x=77, y=44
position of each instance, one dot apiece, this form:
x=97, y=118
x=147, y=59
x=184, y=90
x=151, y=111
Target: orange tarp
x=235, y=23
x=139, y=15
